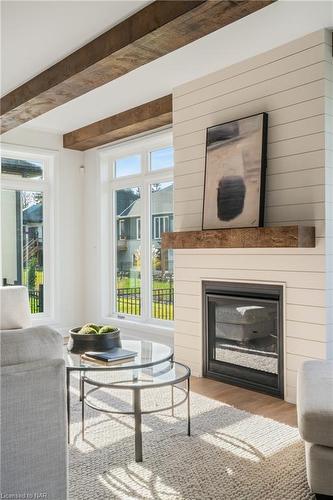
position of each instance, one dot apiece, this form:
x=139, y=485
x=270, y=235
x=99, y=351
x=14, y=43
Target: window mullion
x=145, y=263
x=114, y=240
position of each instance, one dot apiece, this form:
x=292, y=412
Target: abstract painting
x=235, y=173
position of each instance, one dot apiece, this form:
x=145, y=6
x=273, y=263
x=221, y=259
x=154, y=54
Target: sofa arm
x=30, y=344
x=315, y=402
x=34, y=430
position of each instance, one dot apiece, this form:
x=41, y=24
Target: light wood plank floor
x=244, y=399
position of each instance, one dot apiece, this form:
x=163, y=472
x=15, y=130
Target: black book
x=115, y=355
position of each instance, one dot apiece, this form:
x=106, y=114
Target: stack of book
x=114, y=357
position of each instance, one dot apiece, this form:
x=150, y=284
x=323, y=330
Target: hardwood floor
x=244, y=399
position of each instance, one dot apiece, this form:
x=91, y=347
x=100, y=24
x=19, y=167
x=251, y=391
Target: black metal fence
x=163, y=303
x=36, y=299
x=129, y=302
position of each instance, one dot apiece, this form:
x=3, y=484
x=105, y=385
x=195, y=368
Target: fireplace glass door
x=244, y=341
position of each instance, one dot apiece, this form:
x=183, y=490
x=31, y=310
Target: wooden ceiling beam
x=156, y=30
x=148, y=116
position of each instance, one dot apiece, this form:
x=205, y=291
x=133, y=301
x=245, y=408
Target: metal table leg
x=138, y=432
x=172, y=400
x=172, y=390
x=68, y=373
x=82, y=408
x=188, y=408
x=81, y=384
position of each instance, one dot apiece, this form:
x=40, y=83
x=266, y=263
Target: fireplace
x=243, y=335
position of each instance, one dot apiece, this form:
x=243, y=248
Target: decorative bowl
x=80, y=343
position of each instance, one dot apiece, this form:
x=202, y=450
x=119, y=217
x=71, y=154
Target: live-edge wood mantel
x=258, y=237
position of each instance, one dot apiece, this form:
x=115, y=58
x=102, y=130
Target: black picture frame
x=237, y=200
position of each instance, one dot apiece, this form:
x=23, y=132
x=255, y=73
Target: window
x=15, y=168
x=128, y=166
x=138, y=228
x=128, y=253
x=161, y=158
x=23, y=227
x=141, y=197
x=161, y=224
x=161, y=202
x=121, y=229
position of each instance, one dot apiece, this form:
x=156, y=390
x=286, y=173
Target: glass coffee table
x=152, y=368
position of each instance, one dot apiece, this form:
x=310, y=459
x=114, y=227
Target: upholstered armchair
x=315, y=423
x=33, y=403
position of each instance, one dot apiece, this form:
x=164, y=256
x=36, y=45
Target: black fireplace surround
x=243, y=335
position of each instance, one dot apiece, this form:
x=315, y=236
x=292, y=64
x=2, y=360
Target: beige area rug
x=231, y=454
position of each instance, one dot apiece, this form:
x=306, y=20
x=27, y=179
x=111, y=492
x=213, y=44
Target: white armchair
x=315, y=423
x=33, y=403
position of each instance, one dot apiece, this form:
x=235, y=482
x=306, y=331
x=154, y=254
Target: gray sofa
x=33, y=407
x=315, y=422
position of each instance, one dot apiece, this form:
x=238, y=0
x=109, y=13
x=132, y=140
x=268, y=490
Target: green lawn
x=160, y=311
x=39, y=278
x=135, y=282
x=131, y=305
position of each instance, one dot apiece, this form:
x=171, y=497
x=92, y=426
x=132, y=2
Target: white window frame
x=44, y=186
x=109, y=185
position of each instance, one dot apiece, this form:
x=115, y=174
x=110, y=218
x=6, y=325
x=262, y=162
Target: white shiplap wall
x=329, y=205
x=293, y=84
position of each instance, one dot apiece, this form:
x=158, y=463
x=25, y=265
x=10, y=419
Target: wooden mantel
x=259, y=237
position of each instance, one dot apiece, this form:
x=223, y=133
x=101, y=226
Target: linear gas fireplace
x=243, y=335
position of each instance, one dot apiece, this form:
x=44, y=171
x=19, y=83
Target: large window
x=23, y=199
x=142, y=209
x=128, y=251
x=161, y=216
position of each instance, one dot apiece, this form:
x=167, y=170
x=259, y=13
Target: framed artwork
x=235, y=171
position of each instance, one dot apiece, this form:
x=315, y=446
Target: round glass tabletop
x=147, y=354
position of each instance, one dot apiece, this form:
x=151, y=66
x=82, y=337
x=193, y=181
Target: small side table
x=166, y=374
x=152, y=367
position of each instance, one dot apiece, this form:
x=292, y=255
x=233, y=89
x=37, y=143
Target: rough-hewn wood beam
x=154, y=31
x=258, y=237
x=148, y=116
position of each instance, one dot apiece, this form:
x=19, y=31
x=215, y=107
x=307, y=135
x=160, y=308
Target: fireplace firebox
x=243, y=335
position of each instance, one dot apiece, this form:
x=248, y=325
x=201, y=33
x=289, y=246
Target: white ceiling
x=67, y=25
x=37, y=34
